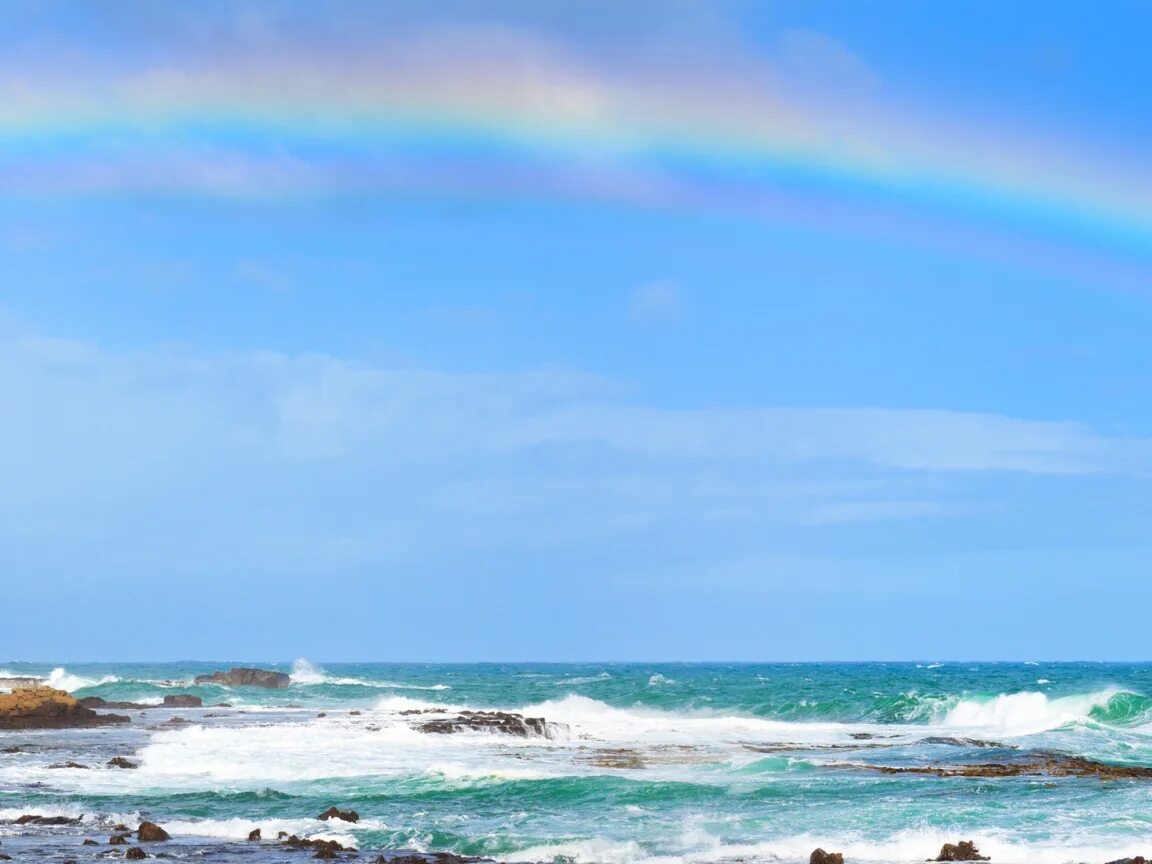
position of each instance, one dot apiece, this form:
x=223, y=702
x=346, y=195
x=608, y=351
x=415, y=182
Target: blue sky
x=516, y=331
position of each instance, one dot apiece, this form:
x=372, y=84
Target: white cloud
x=656, y=302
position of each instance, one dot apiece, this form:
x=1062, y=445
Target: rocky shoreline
x=145, y=841
x=39, y=707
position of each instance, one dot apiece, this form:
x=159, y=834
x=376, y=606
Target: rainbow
x=252, y=129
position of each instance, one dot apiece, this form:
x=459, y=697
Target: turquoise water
x=648, y=762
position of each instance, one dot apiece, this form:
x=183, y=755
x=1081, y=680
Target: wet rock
x=242, y=676
x=4, y=857
x=135, y=854
x=33, y=819
x=121, y=762
x=490, y=721
x=183, y=700
x=280, y=835
x=118, y=840
x=88, y=841
x=345, y=815
x=48, y=708
x=121, y=829
x=965, y=850
x=964, y=742
x=819, y=856
x=68, y=765
x=150, y=832
x=321, y=714
x=1034, y=764
x=254, y=834
x=1139, y=859
x=100, y=702
x=177, y=721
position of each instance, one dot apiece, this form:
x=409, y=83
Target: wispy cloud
x=656, y=302
x=86, y=434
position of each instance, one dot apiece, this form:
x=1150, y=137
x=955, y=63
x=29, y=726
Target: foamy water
x=686, y=764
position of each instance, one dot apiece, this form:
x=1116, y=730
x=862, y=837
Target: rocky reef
x=242, y=676
x=490, y=721
x=48, y=708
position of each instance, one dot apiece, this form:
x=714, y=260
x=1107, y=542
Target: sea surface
x=653, y=763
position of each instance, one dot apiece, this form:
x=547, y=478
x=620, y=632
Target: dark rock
x=1040, y=763
x=150, y=832
x=254, y=834
x=118, y=840
x=321, y=714
x=328, y=847
x=819, y=856
x=345, y=815
x=4, y=857
x=121, y=828
x=135, y=854
x=88, y=841
x=99, y=702
x=176, y=721
x=965, y=850
x=68, y=765
x=245, y=677
x=1139, y=859
x=964, y=742
x=121, y=762
x=183, y=700
x=48, y=708
x=490, y=721
x=354, y=713
x=33, y=819
x=280, y=835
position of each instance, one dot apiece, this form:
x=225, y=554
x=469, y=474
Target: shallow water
x=658, y=762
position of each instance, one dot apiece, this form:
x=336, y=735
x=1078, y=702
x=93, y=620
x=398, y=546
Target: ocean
x=644, y=763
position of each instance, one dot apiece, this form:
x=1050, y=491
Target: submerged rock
x=48, y=708
x=345, y=815
x=490, y=721
x=965, y=850
x=68, y=765
x=819, y=856
x=118, y=840
x=88, y=841
x=242, y=676
x=150, y=832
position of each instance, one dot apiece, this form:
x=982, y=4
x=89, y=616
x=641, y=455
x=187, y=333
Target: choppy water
x=661, y=763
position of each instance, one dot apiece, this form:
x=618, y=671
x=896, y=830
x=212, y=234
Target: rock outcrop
x=183, y=700
x=150, y=832
x=34, y=819
x=242, y=676
x=254, y=834
x=965, y=850
x=121, y=762
x=135, y=854
x=490, y=721
x=344, y=815
x=819, y=856
x=48, y=708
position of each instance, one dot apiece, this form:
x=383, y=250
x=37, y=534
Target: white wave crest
x=306, y=673
x=1028, y=713
x=62, y=679
x=586, y=679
